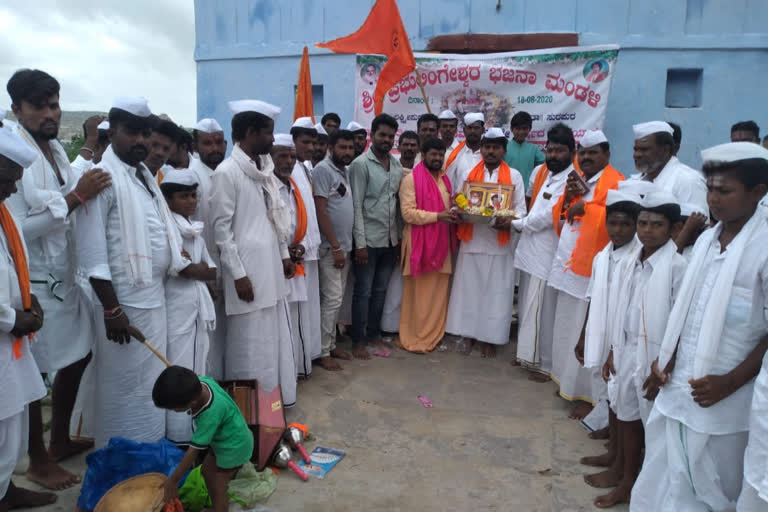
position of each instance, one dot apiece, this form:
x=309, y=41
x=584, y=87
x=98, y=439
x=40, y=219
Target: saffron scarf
x=477, y=174
x=16, y=246
x=593, y=236
x=301, y=222
x=454, y=154
x=538, y=182
x=430, y=243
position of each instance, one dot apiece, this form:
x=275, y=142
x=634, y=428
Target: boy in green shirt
x=218, y=425
x=522, y=155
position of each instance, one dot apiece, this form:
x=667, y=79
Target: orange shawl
x=538, y=182
x=464, y=233
x=455, y=153
x=593, y=236
x=301, y=223
x=20, y=263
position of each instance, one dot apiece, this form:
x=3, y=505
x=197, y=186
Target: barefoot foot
x=464, y=346
x=51, y=476
x=61, y=451
x=337, y=353
x=619, y=495
x=603, y=433
x=580, y=411
x=327, y=363
x=360, y=352
x=600, y=461
x=488, y=351
x=539, y=377
x=16, y=497
x=604, y=479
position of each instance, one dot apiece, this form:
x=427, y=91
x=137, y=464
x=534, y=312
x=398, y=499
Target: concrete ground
x=494, y=441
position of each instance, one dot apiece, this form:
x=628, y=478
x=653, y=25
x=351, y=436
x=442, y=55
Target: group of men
x=643, y=299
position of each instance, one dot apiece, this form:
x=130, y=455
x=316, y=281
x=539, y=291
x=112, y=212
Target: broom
x=137, y=334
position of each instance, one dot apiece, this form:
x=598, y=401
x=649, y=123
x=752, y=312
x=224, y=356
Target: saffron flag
x=383, y=32
x=303, y=105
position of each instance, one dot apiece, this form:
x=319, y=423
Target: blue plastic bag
x=120, y=460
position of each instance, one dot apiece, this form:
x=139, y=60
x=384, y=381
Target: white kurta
x=187, y=331
x=460, y=168
x=756, y=455
x=42, y=212
x=258, y=342
x=699, y=451
x=482, y=294
x=123, y=375
x=686, y=184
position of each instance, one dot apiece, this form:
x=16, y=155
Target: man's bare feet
x=52, y=476
x=16, y=497
x=580, y=411
x=620, y=494
x=360, y=351
x=599, y=461
x=464, y=346
x=327, y=363
x=603, y=479
x=61, y=451
x=488, y=351
x=337, y=353
x=539, y=377
x=603, y=433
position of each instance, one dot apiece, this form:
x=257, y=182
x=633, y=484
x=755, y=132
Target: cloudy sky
x=99, y=49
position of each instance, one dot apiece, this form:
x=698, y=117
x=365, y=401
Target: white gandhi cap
x=261, y=107
x=645, y=129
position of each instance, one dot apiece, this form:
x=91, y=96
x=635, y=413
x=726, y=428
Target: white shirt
x=746, y=321
x=686, y=184
x=20, y=379
x=297, y=284
x=485, y=239
x=100, y=250
x=560, y=277
x=204, y=184
x=247, y=241
x=459, y=170
x=81, y=165
x=302, y=177
x=539, y=239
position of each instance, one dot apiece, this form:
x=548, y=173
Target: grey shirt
x=328, y=181
x=374, y=191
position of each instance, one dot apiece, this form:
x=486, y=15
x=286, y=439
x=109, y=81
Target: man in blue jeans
x=375, y=180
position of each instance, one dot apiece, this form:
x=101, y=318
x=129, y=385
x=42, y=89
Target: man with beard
x=581, y=226
x=426, y=126
x=126, y=250
x=466, y=155
x=181, y=157
x=331, y=122
x=47, y=195
x=534, y=255
x=375, y=179
x=20, y=317
x=482, y=295
x=361, y=137
x=305, y=141
x=408, y=145
x=335, y=216
x=252, y=226
x=653, y=154
x=321, y=149
x=447, y=125
x=162, y=143
x=211, y=145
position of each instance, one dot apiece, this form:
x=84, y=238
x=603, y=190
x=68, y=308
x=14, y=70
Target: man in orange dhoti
x=429, y=238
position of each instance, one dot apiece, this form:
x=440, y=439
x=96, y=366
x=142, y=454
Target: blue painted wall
x=251, y=48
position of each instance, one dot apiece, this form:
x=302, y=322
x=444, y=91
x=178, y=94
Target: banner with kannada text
x=569, y=85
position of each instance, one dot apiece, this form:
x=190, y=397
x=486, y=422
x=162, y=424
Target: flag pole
x=423, y=92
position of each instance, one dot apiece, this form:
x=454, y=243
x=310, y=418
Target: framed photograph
x=495, y=195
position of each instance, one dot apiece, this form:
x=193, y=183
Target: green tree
x=73, y=146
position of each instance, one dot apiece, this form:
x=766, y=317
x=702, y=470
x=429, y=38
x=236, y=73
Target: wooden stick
x=135, y=333
x=423, y=92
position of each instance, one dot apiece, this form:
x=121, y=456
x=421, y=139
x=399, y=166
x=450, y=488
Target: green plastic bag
x=248, y=488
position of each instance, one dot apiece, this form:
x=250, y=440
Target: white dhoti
x=755, y=490
x=300, y=336
x=189, y=349
x=622, y=387
x=124, y=376
x=259, y=347
x=14, y=438
x=750, y=500
x=685, y=470
x=598, y=417
x=536, y=318
x=312, y=309
x=574, y=380
x=216, y=341
x=480, y=306
x=67, y=333
x=390, y=317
